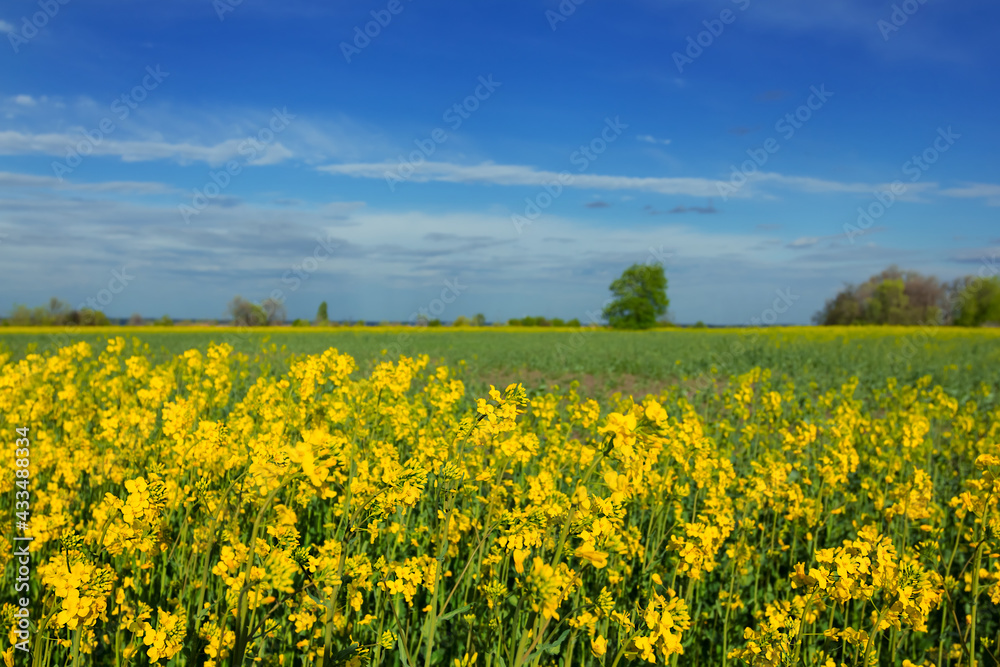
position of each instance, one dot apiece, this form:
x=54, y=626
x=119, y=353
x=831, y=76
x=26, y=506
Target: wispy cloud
x=988, y=191
x=772, y=96
x=804, y=242
x=650, y=139
x=514, y=175
x=597, y=204
x=505, y=174
x=58, y=144
x=14, y=181
x=6, y=27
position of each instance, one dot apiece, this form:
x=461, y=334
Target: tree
x=461, y=321
x=640, y=296
x=321, y=315
x=977, y=301
x=275, y=311
x=889, y=303
x=893, y=296
x=20, y=316
x=479, y=320
x=91, y=318
x=58, y=311
x=165, y=321
x=247, y=314
x=135, y=320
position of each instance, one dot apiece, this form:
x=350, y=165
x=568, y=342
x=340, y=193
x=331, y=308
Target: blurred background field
x=603, y=361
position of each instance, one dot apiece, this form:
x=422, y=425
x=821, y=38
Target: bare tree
x=275, y=311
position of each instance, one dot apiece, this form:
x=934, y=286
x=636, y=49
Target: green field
x=603, y=361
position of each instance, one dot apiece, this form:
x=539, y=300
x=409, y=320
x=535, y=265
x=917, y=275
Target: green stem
x=975, y=604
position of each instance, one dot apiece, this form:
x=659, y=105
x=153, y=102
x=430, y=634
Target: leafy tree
x=888, y=304
x=135, y=320
x=479, y=320
x=299, y=322
x=893, y=296
x=20, y=316
x=640, y=296
x=57, y=313
x=461, y=321
x=434, y=323
x=978, y=302
x=246, y=313
x=90, y=318
x=573, y=323
x=321, y=315
x=165, y=321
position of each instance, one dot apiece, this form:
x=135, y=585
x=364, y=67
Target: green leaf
x=402, y=652
x=550, y=647
x=454, y=612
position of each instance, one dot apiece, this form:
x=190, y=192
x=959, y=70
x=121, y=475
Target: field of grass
x=603, y=361
x=782, y=497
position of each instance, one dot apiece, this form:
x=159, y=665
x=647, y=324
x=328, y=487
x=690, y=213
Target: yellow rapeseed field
x=198, y=512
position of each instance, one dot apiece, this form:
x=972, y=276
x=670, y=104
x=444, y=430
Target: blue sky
x=509, y=158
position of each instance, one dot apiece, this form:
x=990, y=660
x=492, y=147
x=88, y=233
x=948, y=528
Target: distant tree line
x=56, y=313
x=899, y=297
x=543, y=322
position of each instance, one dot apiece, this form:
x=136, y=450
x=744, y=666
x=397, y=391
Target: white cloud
x=500, y=174
x=59, y=144
x=25, y=100
x=804, y=242
x=387, y=262
x=505, y=174
x=6, y=27
x=9, y=180
x=988, y=191
x=650, y=139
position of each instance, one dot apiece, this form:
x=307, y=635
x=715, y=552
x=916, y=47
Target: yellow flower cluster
x=216, y=506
